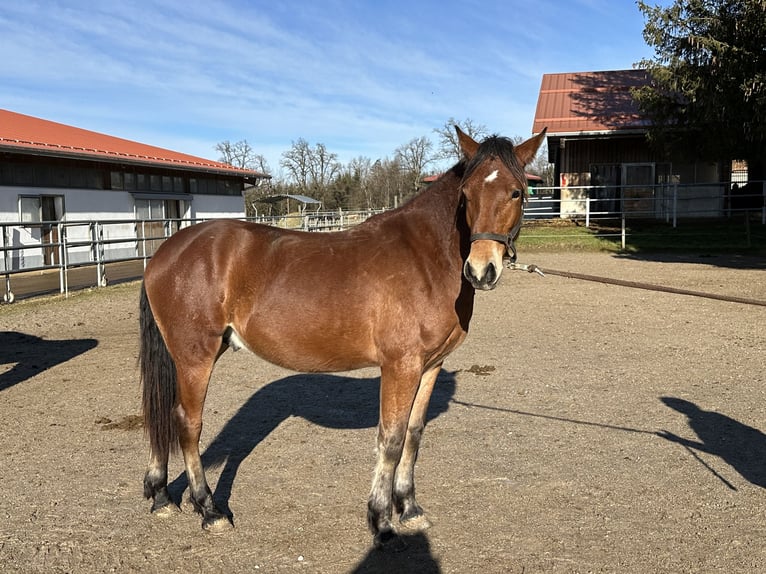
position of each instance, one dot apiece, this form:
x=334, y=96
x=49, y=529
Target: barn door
x=638, y=189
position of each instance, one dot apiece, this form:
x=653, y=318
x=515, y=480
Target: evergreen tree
x=708, y=89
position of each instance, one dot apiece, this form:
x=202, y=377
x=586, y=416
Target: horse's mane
x=502, y=148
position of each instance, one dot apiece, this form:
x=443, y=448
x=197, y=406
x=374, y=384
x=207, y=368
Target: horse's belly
x=307, y=350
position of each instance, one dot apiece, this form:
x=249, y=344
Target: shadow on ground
x=329, y=401
x=741, y=446
x=414, y=558
x=32, y=355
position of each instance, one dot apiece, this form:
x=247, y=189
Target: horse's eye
x=516, y=194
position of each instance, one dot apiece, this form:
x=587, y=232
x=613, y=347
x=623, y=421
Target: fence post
x=64, y=269
x=763, y=208
x=98, y=245
x=675, y=205
x=587, y=208
x=622, y=231
x=8, y=296
x=143, y=243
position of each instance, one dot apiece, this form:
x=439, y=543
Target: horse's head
x=495, y=189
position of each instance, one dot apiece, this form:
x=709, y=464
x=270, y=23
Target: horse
x=396, y=291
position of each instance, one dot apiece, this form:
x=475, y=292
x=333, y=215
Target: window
x=37, y=208
x=29, y=209
x=150, y=209
x=116, y=178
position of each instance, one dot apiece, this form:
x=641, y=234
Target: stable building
x=597, y=143
x=53, y=174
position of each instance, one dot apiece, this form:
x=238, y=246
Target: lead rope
x=531, y=268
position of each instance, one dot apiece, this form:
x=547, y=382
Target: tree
x=323, y=167
x=311, y=169
x=708, y=88
x=449, y=147
x=361, y=193
x=242, y=155
x=296, y=161
x=413, y=157
x=388, y=183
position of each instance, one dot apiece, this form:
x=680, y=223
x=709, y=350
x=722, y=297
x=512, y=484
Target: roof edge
x=52, y=150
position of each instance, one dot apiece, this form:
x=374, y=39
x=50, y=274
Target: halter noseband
x=506, y=240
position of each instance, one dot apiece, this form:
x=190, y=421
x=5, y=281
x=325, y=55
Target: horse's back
x=288, y=295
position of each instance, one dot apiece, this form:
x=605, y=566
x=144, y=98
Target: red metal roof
x=589, y=102
x=19, y=132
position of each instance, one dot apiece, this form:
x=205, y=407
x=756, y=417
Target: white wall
x=211, y=206
x=94, y=205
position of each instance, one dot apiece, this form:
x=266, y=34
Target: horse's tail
x=158, y=375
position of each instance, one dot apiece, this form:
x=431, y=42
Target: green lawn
x=733, y=235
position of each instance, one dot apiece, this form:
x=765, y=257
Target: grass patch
x=732, y=235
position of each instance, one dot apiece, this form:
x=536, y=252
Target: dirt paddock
x=582, y=427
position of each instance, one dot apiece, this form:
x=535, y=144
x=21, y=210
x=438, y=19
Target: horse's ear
x=467, y=144
x=526, y=151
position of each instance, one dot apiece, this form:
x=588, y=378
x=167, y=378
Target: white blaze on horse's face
x=494, y=206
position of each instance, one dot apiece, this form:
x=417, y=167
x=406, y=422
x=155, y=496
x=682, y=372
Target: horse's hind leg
x=410, y=513
x=192, y=389
x=156, y=484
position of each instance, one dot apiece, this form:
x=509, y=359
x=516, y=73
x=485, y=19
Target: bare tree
x=414, y=156
x=297, y=161
x=389, y=183
x=449, y=147
x=323, y=167
x=359, y=171
x=241, y=154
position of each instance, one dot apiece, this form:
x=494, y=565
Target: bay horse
x=396, y=291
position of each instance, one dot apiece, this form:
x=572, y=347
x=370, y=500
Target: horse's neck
x=440, y=208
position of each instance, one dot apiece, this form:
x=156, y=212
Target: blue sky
x=361, y=77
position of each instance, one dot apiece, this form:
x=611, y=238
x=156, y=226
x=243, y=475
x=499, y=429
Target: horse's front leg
x=398, y=387
x=410, y=513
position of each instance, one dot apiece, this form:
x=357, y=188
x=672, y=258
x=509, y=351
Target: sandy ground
x=582, y=427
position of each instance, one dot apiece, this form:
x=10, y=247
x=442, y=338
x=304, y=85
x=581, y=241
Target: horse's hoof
x=217, y=525
x=165, y=511
x=416, y=523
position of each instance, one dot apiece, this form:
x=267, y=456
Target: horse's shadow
x=32, y=355
x=414, y=558
x=330, y=401
x=741, y=446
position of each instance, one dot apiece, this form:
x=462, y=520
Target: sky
x=362, y=77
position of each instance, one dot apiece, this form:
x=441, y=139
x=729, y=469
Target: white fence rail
x=48, y=253
x=669, y=202
x=92, y=250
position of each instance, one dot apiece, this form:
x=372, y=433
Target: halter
x=507, y=240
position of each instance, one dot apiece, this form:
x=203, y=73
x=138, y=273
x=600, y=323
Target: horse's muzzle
x=484, y=278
